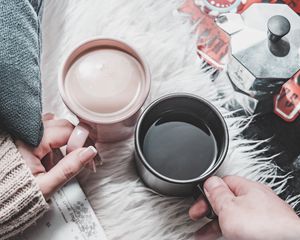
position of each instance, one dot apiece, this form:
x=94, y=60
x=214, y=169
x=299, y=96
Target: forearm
x=21, y=202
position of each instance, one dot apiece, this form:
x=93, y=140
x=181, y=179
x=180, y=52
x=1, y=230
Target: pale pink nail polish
x=88, y=153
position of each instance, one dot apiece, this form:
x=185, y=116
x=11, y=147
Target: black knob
x=278, y=27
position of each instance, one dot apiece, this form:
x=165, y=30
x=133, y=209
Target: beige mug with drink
x=104, y=82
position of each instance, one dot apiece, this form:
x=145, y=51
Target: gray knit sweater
x=21, y=201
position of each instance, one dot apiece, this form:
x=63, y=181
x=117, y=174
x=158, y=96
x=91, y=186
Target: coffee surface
x=180, y=146
x=104, y=81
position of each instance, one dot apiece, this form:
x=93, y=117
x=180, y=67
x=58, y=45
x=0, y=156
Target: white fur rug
x=126, y=209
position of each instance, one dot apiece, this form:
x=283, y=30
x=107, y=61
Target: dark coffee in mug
x=180, y=140
x=179, y=145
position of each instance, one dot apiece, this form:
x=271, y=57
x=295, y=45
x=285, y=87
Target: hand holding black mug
x=245, y=210
x=180, y=141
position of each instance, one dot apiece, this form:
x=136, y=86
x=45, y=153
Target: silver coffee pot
x=264, y=50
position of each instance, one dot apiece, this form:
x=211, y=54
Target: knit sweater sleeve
x=21, y=201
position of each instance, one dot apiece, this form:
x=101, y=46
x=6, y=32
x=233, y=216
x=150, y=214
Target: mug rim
x=95, y=119
x=208, y=172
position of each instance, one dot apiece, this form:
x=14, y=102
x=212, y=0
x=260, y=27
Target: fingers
x=90, y=142
x=55, y=136
x=48, y=116
x=64, y=170
x=239, y=185
x=78, y=138
x=210, y=231
x=218, y=194
x=31, y=161
x=199, y=209
x=51, y=159
x=222, y=193
x=57, y=123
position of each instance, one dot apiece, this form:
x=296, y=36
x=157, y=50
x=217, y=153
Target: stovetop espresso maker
x=264, y=52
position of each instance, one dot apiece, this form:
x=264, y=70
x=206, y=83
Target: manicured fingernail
x=49, y=114
x=91, y=166
x=212, y=183
x=88, y=153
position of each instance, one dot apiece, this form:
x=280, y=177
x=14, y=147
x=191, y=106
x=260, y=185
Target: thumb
x=218, y=194
x=64, y=170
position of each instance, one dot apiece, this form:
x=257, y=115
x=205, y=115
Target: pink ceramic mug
x=99, y=61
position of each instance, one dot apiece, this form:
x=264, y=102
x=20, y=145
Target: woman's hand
x=50, y=175
x=246, y=210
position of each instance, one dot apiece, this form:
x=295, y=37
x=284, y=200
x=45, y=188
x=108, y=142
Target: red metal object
x=294, y=4
x=212, y=42
x=287, y=102
x=219, y=6
x=213, y=45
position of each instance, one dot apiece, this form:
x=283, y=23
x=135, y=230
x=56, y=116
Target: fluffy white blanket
x=126, y=209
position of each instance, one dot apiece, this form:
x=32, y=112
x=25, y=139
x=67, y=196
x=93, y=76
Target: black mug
x=178, y=109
